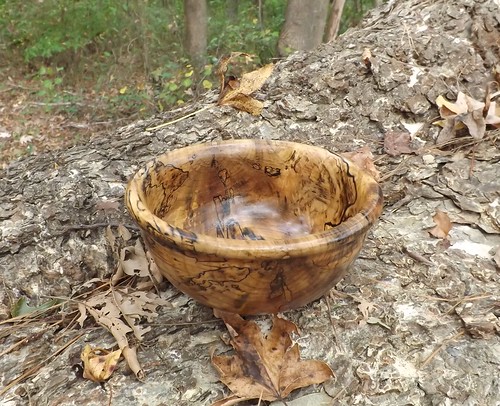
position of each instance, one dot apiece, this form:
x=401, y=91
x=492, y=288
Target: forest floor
x=39, y=115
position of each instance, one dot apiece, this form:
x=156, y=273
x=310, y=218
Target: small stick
x=36, y=368
x=417, y=257
x=334, y=330
x=179, y=119
x=439, y=348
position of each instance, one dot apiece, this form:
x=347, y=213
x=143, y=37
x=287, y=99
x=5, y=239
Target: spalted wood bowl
x=253, y=226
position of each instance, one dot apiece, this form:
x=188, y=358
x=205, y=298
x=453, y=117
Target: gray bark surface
x=431, y=334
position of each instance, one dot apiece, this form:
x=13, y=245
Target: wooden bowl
x=253, y=226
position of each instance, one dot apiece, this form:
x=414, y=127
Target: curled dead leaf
x=443, y=225
x=99, y=364
x=236, y=93
x=266, y=367
x=468, y=112
x=397, y=143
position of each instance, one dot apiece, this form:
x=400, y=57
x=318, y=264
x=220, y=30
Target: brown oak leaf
x=397, y=143
x=237, y=92
x=443, y=225
x=265, y=367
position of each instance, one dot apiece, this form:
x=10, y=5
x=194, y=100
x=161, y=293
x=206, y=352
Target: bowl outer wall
x=245, y=249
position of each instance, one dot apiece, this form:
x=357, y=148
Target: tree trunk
x=196, y=29
x=232, y=7
x=303, y=27
x=333, y=26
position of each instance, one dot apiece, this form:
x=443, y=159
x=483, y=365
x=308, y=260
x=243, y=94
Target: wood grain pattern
x=253, y=226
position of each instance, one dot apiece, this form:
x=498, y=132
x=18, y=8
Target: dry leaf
x=237, y=93
x=443, y=225
x=107, y=205
x=363, y=158
x=397, y=143
x=99, y=364
x=130, y=355
x=122, y=309
x=475, y=115
x=110, y=237
x=83, y=314
x=124, y=233
x=365, y=307
x=265, y=367
x=366, y=56
x=133, y=260
x=412, y=128
x=224, y=63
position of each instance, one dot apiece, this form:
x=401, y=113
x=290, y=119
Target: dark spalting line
x=212, y=279
x=178, y=178
x=346, y=186
x=220, y=225
x=188, y=236
x=279, y=287
x=219, y=231
x=249, y=234
x=291, y=158
x=151, y=229
x=272, y=171
x=231, y=228
x=214, y=163
x=223, y=175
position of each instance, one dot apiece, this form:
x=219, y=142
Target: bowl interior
x=253, y=190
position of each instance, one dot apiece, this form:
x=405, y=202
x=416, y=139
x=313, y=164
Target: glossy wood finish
x=253, y=226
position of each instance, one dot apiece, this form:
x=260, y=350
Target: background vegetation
x=93, y=62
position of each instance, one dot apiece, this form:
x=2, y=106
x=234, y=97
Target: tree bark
x=304, y=26
x=196, y=30
x=232, y=7
x=53, y=224
x=333, y=26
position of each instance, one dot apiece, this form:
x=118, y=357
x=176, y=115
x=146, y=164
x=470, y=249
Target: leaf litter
x=120, y=304
x=236, y=92
x=265, y=367
x=122, y=309
x=467, y=112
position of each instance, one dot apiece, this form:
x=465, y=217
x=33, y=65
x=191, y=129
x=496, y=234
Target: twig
x=439, y=348
x=416, y=256
x=78, y=227
x=30, y=372
x=179, y=119
x=334, y=330
x=23, y=341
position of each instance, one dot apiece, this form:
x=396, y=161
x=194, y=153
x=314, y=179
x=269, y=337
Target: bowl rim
x=269, y=249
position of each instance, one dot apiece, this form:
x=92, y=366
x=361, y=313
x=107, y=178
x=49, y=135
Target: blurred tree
x=196, y=34
x=333, y=25
x=232, y=7
x=304, y=25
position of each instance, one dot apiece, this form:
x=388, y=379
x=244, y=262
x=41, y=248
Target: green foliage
x=110, y=43
x=246, y=33
x=47, y=28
